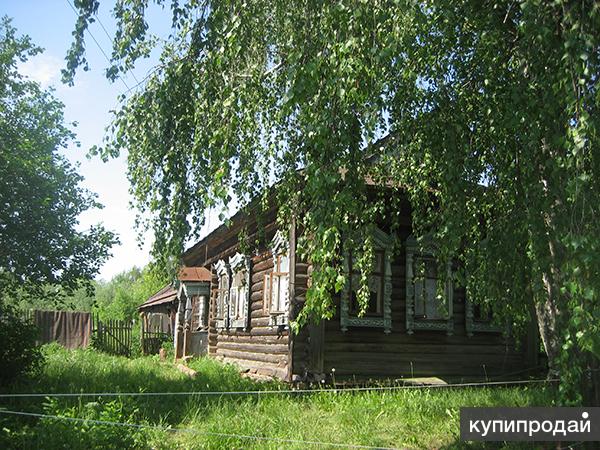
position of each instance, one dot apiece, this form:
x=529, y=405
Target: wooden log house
x=404, y=334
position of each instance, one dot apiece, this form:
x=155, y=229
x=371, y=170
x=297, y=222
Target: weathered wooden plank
x=256, y=295
x=253, y=331
x=420, y=337
x=250, y=339
x=249, y=356
x=258, y=279
x=259, y=347
x=264, y=264
x=257, y=305
x=393, y=348
x=258, y=313
x=316, y=350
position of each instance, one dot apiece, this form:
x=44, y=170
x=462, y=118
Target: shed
x=176, y=312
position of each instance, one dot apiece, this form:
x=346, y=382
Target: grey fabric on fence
x=69, y=328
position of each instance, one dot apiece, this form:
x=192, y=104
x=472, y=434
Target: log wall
x=360, y=353
x=263, y=349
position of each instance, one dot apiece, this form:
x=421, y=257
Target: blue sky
x=50, y=23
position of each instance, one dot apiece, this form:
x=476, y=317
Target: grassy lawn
x=424, y=418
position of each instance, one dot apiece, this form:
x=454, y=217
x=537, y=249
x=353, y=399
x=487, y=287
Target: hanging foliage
x=491, y=113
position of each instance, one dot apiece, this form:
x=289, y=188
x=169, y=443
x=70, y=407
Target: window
x=428, y=303
x=277, y=283
x=375, y=306
x=192, y=314
x=239, y=291
x=222, y=295
x=479, y=319
x=378, y=313
x=199, y=312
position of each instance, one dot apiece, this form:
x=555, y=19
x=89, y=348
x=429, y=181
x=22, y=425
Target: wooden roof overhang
x=166, y=295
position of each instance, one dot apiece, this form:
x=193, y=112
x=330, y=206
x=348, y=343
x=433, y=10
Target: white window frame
x=222, y=297
x=414, y=251
x=382, y=242
x=199, y=312
x=278, y=314
x=239, y=295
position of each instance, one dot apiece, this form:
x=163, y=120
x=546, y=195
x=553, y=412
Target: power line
x=191, y=430
x=97, y=44
x=282, y=391
x=110, y=38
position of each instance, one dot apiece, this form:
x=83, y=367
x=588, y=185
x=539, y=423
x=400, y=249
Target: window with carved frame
x=429, y=297
x=277, y=283
x=222, y=295
x=376, y=286
x=479, y=318
x=239, y=291
x=378, y=313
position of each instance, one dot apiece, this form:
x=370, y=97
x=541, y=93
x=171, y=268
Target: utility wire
x=283, y=391
x=110, y=38
x=191, y=430
x=97, y=44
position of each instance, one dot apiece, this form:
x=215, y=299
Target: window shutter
x=233, y=302
x=267, y=293
x=242, y=302
x=284, y=292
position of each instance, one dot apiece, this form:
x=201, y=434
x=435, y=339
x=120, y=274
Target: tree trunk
x=547, y=318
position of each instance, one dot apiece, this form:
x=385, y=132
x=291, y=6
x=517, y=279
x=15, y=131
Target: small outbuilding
x=178, y=311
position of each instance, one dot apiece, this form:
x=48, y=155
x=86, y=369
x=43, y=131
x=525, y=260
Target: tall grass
x=424, y=418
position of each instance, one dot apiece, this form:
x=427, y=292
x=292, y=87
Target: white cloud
x=44, y=68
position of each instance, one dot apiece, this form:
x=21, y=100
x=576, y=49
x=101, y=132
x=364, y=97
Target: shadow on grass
x=89, y=371
x=429, y=417
x=459, y=445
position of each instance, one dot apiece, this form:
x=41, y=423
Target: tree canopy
x=41, y=196
x=120, y=297
x=491, y=113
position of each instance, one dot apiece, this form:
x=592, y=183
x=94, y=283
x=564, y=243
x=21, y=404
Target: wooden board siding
x=263, y=349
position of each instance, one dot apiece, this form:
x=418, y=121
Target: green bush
x=19, y=354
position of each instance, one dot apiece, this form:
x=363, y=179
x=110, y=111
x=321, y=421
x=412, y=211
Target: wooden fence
x=112, y=336
x=27, y=314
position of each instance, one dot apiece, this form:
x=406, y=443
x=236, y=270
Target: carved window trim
x=475, y=326
x=239, y=309
x=222, y=294
x=199, y=312
x=413, y=251
x=381, y=242
x=279, y=248
x=190, y=296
